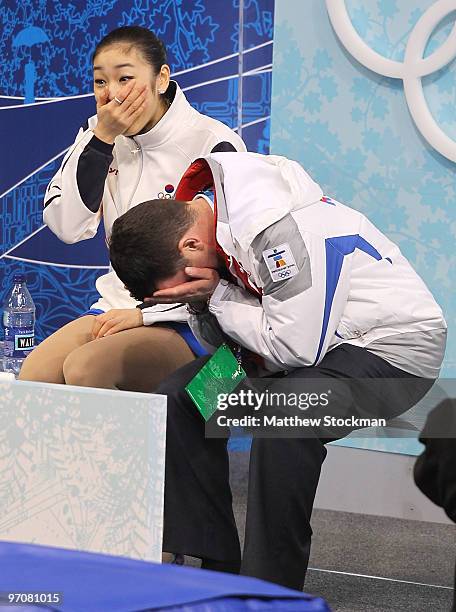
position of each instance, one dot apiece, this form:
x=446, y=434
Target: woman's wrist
x=139, y=316
x=100, y=145
x=108, y=139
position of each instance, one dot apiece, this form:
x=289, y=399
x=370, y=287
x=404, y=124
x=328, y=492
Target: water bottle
x=19, y=324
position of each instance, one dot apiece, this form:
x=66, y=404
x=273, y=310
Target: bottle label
x=18, y=342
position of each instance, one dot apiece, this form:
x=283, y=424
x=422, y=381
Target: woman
x=142, y=139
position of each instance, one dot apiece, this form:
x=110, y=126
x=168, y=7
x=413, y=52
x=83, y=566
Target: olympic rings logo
x=412, y=69
x=284, y=274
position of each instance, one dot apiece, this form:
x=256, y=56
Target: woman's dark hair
x=142, y=39
x=144, y=244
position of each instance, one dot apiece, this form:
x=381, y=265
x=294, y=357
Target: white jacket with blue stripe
x=323, y=273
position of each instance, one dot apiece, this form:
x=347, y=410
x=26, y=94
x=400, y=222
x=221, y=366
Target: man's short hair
x=144, y=244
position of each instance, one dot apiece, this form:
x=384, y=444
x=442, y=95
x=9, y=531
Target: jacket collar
x=252, y=191
x=258, y=190
x=200, y=176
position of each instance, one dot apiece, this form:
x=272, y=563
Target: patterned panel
x=46, y=50
x=352, y=130
x=60, y=294
x=82, y=468
x=21, y=210
x=257, y=66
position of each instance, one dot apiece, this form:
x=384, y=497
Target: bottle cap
x=19, y=278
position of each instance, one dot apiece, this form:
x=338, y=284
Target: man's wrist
x=198, y=308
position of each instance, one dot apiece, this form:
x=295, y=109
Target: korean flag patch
x=280, y=262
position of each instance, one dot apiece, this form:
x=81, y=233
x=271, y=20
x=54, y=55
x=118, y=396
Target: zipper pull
x=138, y=148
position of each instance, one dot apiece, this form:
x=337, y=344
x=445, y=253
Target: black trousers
x=283, y=474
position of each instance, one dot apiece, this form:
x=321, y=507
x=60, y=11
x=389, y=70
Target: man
x=434, y=470
x=310, y=289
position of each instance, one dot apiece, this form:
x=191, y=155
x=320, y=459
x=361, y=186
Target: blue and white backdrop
x=45, y=95
x=351, y=127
